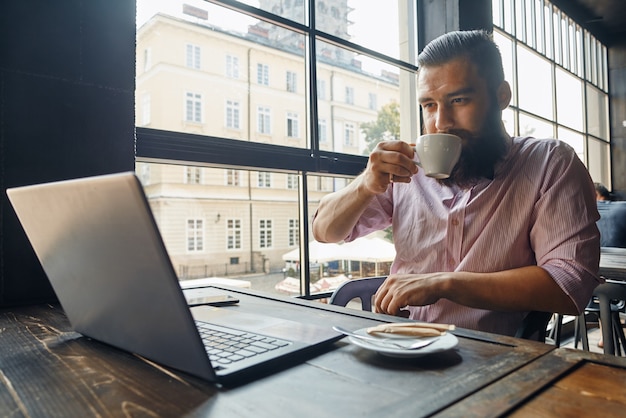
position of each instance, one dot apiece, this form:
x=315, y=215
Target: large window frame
x=175, y=147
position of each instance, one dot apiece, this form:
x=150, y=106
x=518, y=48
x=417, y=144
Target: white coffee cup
x=438, y=154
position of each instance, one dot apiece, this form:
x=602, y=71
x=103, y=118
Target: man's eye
x=459, y=100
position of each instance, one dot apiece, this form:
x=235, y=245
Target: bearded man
x=512, y=230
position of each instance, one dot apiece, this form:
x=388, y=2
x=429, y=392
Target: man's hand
x=390, y=161
x=399, y=291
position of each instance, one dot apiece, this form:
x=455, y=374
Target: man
x=511, y=231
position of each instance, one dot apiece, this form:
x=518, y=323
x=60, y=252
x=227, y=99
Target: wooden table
x=47, y=370
x=563, y=383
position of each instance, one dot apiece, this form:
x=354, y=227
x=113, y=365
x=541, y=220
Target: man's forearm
x=523, y=289
x=338, y=212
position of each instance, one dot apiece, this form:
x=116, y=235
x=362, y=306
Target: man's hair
x=475, y=45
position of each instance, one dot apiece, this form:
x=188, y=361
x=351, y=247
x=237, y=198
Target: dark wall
x=67, y=79
x=617, y=92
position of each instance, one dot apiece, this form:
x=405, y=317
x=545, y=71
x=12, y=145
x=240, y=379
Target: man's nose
x=444, y=120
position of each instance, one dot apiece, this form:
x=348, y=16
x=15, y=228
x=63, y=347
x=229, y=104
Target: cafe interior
x=78, y=61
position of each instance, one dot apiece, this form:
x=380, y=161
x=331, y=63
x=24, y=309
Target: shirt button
x=455, y=222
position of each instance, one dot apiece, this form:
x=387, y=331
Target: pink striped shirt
x=539, y=210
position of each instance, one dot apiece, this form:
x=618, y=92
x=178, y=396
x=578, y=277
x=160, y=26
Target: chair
x=613, y=336
x=363, y=289
x=533, y=326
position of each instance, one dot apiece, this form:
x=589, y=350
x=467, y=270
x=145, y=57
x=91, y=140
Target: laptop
x=100, y=247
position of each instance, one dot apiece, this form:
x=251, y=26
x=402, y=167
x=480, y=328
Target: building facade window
x=192, y=56
x=265, y=233
x=292, y=82
x=321, y=89
x=193, y=107
x=146, y=111
x=321, y=131
x=292, y=181
x=292, y=125
x=349, y=134
x=232, y=66
x=147, y=59
x=264, y=120
x=233, y=177
x=193, y=175
x=195, y=235
x=232, y=114
x=264, y=179
x=233, y=234
x=263, y=74
x=349, y=95
x=294, y=232
x=372, y=101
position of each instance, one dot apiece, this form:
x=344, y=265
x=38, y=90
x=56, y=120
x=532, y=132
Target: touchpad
x=263, y=324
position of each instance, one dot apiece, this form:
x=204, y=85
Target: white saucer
x=443, y=343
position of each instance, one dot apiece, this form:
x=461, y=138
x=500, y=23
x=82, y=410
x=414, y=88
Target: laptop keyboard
x=228, y=346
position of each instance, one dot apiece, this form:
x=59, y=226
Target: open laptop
x=100, y=247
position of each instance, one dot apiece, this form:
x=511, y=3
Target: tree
x=386, y=126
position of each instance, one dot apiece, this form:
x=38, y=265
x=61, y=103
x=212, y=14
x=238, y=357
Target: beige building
x=196, y=78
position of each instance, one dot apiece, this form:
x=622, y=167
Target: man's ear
x=504, y=95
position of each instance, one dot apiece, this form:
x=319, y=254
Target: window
x=193, y=175
x=192, y=56
x=292, y=82
x=232, y=178
x=292, y=181
x=264, y=120
x=349, y=139
x=195, y=235
x=373, y=101
x=321, y=131
x=349, y=95
x=265, y=233
x=232, y=66
x=559, y=74
x=263, y=74
x=233, y=234
x=264, y=179
x=147, y=59
x=232, y=114
x=321, y=89
x=292, y=125
x=228, y=127
x=193, y=107
x=294, y=232
x=145, y=110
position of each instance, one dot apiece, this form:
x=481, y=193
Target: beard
x=480, y=153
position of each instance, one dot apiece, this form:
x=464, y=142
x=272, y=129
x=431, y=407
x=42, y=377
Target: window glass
x=353, y=21
x=597, y=113
x=598, y=164
x=253, y=65
x=535, y=83
x=569, y=100
x=535, y=127
x=367, y=102
x=242, y=215
x=574, y=139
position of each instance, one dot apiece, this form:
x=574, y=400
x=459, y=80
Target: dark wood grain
x=47, y=370
x=562, y=383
